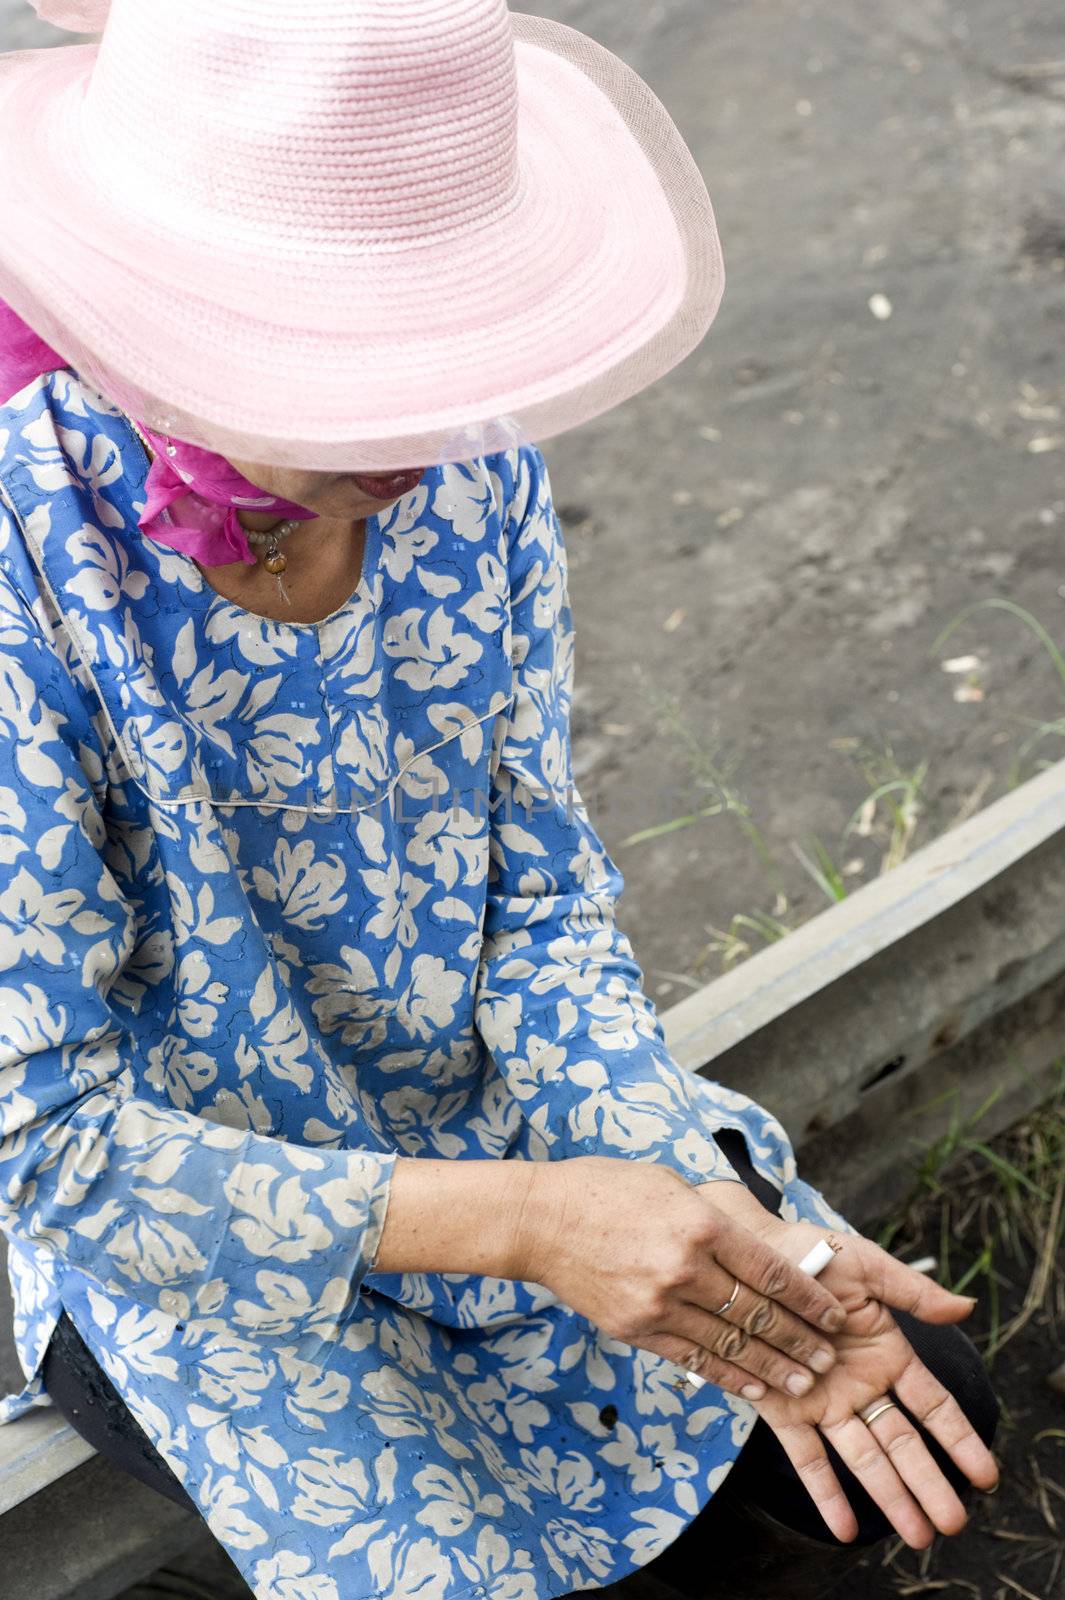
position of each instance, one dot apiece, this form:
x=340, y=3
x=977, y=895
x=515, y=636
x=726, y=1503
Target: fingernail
x=799, y=1383
x=753, y=1391
x=822, y=1361
x=834, y=1321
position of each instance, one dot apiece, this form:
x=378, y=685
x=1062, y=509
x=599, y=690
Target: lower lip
x=388, y=486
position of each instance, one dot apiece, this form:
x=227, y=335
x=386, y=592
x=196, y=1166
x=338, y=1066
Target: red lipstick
x=388, y=485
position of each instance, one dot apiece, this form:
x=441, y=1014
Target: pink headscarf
x=200, y=490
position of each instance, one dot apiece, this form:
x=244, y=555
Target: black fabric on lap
x=84, y=1394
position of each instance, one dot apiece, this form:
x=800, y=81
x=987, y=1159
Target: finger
x=908, y=1453
x=766, y=1320
x=804, y=1449
x=705, y=1365
x=730, y=1343
x=770, y=1274
x=937, y=1411
x=899, y=1286
x=859, y=1448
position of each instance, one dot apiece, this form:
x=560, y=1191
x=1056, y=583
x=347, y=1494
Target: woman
x=344, y=1167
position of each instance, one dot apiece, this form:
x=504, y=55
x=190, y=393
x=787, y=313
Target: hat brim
x=604, y=275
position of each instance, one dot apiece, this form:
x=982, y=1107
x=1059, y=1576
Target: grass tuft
x=889, y=815
x=1010, y=1196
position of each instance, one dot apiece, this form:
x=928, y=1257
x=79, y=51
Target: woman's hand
x=651, y=1260
x=875, y=1362
x=888, y=1456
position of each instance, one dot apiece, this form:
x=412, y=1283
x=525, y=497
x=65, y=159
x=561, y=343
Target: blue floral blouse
x=279, y=903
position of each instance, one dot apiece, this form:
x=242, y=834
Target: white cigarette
x=813, y=1263
x=817, y=1259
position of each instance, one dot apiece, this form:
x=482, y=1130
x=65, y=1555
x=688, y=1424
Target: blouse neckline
x=211, y=603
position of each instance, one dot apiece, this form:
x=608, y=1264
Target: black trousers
x=762, y=1475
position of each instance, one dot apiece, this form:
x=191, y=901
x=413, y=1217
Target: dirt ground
x=776, y=533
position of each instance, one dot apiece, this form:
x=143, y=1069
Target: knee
x=952, y=1358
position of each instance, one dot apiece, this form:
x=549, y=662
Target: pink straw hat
x=349, y=235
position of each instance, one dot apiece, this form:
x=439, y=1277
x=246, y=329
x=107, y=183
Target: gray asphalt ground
x=870, y=440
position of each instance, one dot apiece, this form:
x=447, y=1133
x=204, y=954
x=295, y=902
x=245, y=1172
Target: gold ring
x=730, y=1302
x=877, y=1409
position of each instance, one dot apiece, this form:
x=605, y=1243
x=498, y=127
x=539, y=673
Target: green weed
x=1000, y=1201
x=895, y=791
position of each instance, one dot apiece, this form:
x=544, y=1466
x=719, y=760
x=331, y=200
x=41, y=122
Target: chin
x=344, y=501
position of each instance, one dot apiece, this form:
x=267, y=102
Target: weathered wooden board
x=905, y=1006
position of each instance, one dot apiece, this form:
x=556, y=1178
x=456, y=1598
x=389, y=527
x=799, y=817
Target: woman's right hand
x=650, y=1260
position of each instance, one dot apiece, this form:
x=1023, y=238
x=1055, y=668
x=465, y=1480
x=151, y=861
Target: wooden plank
x=35, y=1451
x=872, y=918
x=941, y=981
x=89, y=1535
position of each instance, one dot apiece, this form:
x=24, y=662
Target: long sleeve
x=560, y=1001
x=184, y=1216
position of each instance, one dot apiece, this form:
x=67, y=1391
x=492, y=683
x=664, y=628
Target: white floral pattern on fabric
x=278, y=904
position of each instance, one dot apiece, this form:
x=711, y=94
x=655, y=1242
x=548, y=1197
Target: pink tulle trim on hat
x=77, y=16
x=192, y=494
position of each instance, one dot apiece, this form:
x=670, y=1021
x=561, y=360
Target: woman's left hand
x=875, y=1362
